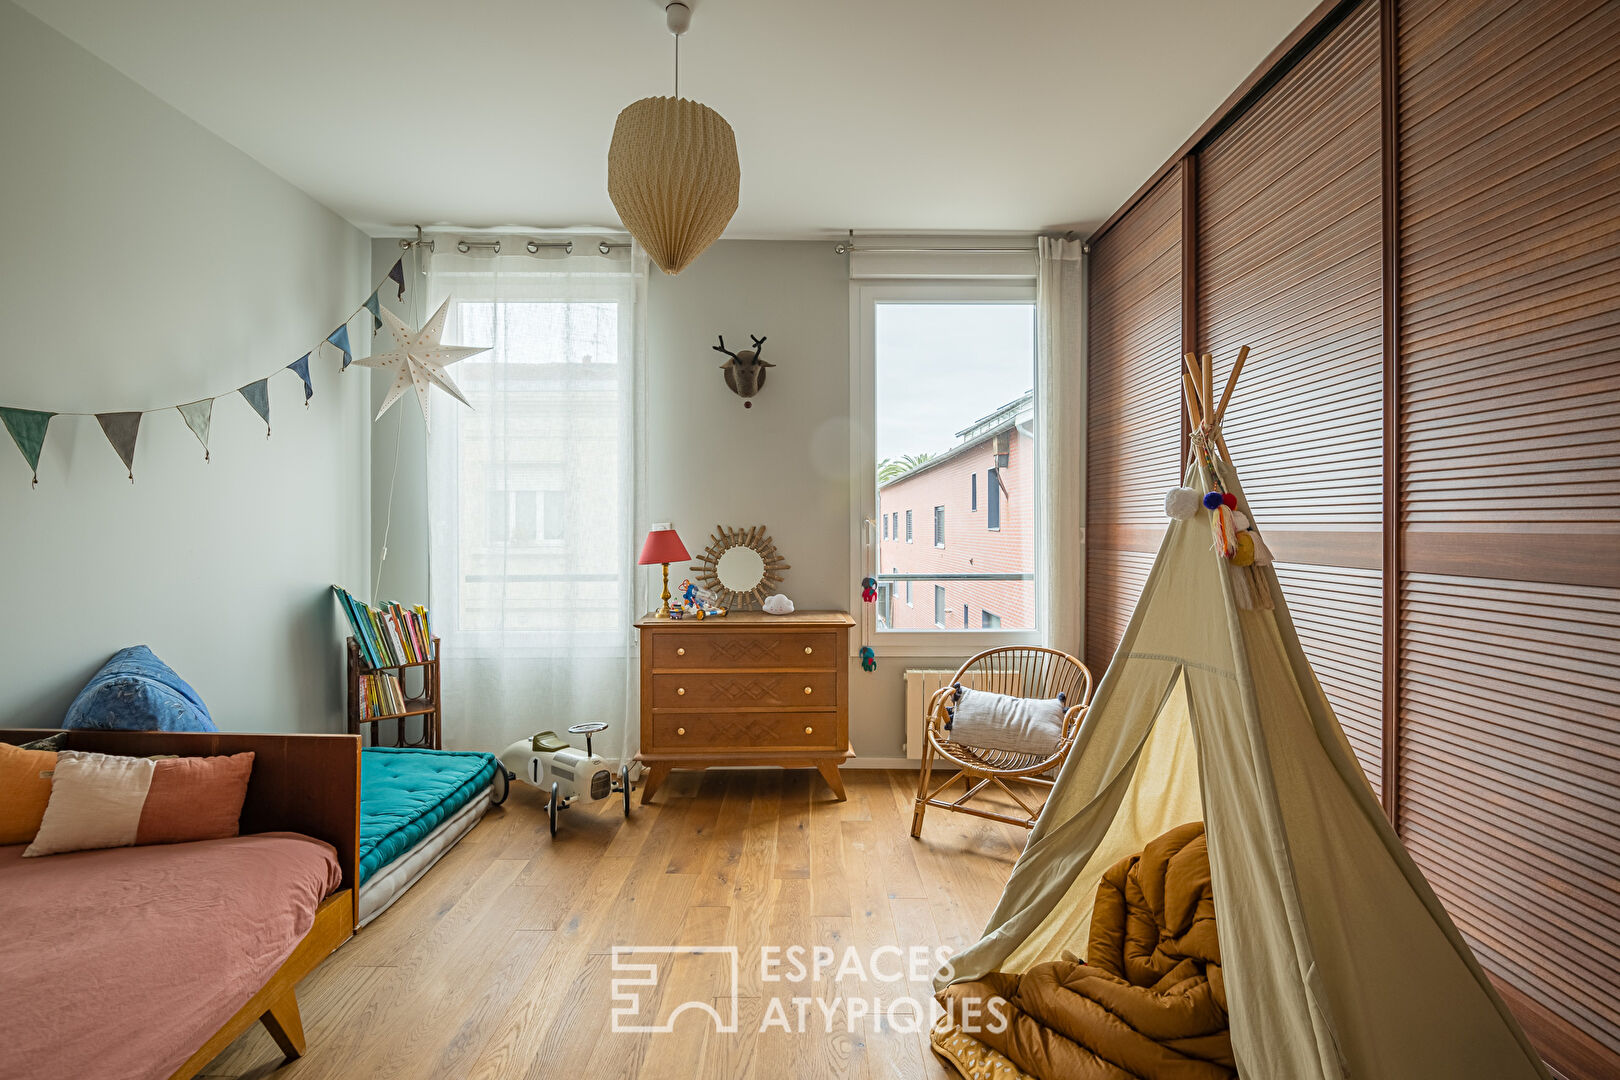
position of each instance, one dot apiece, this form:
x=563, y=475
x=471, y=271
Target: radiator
x=920, y=686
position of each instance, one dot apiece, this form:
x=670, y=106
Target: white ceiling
x=880, y=115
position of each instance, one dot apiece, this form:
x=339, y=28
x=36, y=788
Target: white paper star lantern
x=418, y=359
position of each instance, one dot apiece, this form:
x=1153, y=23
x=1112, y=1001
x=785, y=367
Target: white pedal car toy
x=547, y=762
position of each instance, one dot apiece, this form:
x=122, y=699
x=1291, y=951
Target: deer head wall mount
x=745, y=371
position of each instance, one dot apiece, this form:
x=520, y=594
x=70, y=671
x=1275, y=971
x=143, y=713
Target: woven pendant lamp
x=672, y=170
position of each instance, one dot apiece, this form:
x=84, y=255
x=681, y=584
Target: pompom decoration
x=1230, y=500
x=1239, y=522
x=1213, y=500
x=1243, y=551
x=1181, y=503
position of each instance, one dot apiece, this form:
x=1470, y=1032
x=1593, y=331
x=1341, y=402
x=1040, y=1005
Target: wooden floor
x=497, y=964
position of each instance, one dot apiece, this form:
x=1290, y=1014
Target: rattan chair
x=1019, y=672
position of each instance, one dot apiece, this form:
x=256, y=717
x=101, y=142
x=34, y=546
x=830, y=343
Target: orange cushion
x=25, y=789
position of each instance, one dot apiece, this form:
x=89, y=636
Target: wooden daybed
x=306, y=784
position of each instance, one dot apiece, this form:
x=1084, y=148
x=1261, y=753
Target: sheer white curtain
x=1060, y=379
x=532, y=492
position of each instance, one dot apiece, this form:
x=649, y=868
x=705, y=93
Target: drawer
x=745, y=690
x=675, y=732
x=742, y=650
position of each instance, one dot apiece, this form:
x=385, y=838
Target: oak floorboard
x=498, y=963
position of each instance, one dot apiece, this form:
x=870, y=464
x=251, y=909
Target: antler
x=758, y=341
x=721, y=348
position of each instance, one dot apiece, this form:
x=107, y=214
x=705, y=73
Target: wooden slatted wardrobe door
x=1133, y=428
x=1509, y=747
x=1289, y=263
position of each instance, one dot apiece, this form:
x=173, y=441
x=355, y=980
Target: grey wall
x=783, y=463
x=146, y=262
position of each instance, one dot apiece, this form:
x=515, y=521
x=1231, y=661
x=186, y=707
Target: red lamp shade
x=662, y=546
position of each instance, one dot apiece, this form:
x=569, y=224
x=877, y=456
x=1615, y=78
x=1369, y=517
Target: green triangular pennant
x=121, y=429
x=27, y=427
x=258, y=396
x=199, y=417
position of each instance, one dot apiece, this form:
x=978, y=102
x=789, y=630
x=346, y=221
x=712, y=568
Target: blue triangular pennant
x=340, y=338
x=301, y=366
x=258, y=396
x=372, y=305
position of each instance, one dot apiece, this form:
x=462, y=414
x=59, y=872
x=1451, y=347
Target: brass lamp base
x=663, y=604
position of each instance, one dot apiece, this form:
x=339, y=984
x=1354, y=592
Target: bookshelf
x=424, y=704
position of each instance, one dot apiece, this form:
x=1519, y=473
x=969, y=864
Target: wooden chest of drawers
x=748, y=689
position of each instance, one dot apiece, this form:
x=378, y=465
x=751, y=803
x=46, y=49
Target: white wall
x=783, y=463
x=146, y=262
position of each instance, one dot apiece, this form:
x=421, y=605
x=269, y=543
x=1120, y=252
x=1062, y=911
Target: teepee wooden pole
x=1208, y=398
x=1196, y=371
x=1194, y=418
x=1231, y=383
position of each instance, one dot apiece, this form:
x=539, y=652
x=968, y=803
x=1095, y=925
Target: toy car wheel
x=624, y=782
x=504, y=787
x=552, y=807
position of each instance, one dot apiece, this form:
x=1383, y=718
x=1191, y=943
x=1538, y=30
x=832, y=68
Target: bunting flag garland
x=121, y=428
x=300, y=367
x=418, y=359
x=27, y=427
x=199, y=416
x=340, y=338
x=258, y=396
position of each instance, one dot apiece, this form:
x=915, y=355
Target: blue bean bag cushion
x=135, y=691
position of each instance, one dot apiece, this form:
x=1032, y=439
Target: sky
x=942, y=366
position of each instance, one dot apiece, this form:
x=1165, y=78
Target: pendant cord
x=677, y=67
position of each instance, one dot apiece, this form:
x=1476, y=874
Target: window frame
x=939, y=526
x=865, y=296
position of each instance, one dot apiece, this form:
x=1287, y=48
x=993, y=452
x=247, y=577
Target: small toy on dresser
x=696, y=603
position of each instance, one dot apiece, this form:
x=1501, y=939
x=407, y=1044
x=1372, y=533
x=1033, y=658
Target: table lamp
x=663, y=546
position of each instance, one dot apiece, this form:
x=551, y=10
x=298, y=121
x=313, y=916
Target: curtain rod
x=534, y=246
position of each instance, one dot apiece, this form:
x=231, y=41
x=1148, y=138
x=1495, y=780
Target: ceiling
x=877, y=115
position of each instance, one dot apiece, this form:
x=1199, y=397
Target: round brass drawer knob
x=680, y=652
x=680, y=731
x=809, y=731
x=807, y=689
x=680, y=691
x=808, y=650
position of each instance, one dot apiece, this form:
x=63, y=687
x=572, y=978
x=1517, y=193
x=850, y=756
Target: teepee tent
x=1338, y=959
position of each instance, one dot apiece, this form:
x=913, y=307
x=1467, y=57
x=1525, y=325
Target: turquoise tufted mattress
x=405, y=794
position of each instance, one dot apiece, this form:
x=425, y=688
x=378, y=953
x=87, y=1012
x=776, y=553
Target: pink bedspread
x=121, y=963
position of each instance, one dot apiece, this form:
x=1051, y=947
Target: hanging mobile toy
x=868, y=658
x=869, y=589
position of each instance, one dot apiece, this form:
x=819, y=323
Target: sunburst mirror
x=741, y=566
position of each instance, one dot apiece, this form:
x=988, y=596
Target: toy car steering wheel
x=587, y=729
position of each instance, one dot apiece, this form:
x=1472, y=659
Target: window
x=530, y=489
x=908, y=593
x=554, y=503
x=885, y=604
x=885, y=526
x=972, y=436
